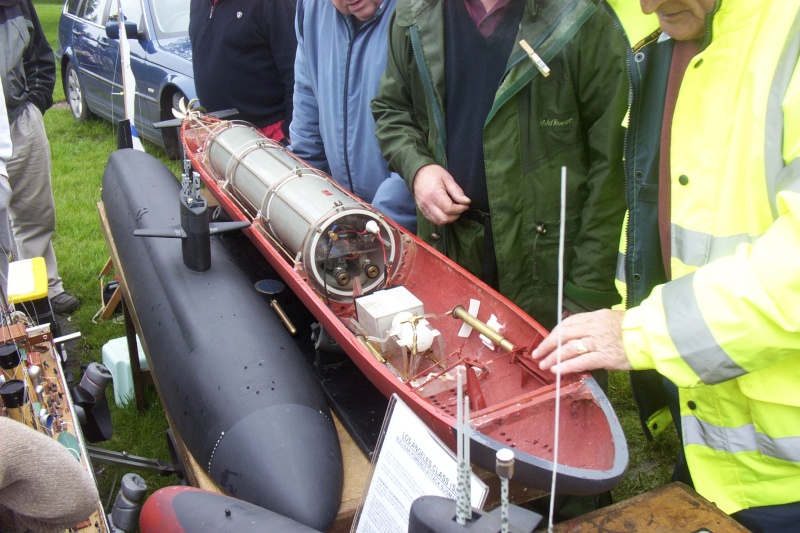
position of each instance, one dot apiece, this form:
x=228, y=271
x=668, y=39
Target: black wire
x=111, y=492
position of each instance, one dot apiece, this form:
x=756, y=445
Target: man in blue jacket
x=341, y=55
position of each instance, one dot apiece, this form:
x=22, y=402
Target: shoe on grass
x=64, y=303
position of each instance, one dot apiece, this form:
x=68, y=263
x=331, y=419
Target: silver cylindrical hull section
x=342, y=241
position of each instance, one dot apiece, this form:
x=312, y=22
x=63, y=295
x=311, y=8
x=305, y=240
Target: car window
x=72, y=6
x=131, y=8
x=170, y=17
x=93, y=11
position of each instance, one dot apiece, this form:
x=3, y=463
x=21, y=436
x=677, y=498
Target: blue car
x=161, y=60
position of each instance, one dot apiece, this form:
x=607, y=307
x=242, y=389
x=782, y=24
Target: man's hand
x=588, y=341
x=438, y=195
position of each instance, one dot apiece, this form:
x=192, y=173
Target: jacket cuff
x=633, y=341
x=412, y=169
x=41, y=101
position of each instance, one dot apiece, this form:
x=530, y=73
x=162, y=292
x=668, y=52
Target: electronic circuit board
x=34, y=392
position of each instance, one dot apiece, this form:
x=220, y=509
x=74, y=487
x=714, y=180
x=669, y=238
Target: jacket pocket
x=549, y=122
x=544, y=250
x=776, y=384
x=464, y=242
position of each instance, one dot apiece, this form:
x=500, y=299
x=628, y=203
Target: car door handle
x=103, y=43
x=77, y=33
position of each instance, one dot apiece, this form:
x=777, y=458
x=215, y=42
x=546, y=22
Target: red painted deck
x=520, y=403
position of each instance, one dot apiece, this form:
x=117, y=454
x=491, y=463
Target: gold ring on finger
x=582, y=349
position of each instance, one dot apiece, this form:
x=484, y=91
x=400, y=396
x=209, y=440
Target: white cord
x=560, y=306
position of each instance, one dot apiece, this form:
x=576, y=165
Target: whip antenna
x=560, y=306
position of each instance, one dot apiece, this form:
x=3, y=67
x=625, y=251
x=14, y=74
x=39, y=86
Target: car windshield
x=170, y=17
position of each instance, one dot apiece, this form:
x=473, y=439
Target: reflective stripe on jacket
x=726, y=330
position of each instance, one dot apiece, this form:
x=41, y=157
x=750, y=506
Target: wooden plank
x=131, y=320
x=116, y=296
x=671, y=508
x=111, y=305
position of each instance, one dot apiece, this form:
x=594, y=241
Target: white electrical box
x=376, y=310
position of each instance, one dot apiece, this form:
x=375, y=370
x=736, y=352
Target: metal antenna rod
x=558, y=348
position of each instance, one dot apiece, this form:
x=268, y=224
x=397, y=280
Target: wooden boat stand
x=140, y=376
x=116, y=296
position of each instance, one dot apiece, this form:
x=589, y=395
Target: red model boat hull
x=520, y=400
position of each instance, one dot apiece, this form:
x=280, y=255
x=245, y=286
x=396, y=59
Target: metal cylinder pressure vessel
x=342, y=242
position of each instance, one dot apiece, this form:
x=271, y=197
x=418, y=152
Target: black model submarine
x=237, y=387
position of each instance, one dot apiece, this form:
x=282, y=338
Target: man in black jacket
x=243, y=57
x=28, y=72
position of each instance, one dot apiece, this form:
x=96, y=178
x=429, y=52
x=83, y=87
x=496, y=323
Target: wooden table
x=673, y=508
x=356, y=464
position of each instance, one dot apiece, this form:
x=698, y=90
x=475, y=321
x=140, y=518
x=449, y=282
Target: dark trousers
x=771, y=518
x=681, y=470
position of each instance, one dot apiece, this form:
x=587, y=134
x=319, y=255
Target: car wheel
x=76, y=97
x=171, y=136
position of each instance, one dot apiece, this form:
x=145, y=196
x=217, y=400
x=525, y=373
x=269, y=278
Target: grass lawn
x=79, y=153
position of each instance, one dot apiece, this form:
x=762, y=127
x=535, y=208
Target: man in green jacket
x=480, y=134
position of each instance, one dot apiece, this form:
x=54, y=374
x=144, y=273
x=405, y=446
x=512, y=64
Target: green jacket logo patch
x=545, y=122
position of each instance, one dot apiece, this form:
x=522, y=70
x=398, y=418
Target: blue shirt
x=338, y=67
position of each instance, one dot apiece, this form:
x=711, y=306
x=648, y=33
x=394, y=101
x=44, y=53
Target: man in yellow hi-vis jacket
x=711, y=249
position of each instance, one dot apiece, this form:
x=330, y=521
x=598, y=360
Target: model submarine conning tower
x=345, y=245
x=195, y=230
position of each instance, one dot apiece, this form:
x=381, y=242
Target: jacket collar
x=410, y=11
x=553, y=22
x=709, y=33
x=382, y=9
x=414, y=9
x=547, y=25
x=552, y=13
